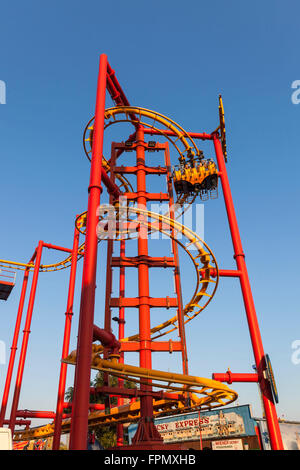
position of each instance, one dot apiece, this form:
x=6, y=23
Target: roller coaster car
x=193, y=179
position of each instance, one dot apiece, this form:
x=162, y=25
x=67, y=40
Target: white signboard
x=217, y=424
x=5, y=439
x=228, y=444
x=227, y=423
x=290, y=433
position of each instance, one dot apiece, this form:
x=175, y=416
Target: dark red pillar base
x=147, y=433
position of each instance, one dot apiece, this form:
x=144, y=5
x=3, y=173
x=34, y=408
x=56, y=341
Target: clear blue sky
x=173, y=57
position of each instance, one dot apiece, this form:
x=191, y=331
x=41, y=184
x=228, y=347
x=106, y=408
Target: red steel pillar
x=109, y=279
x=147, y=436
x=181, y=325
x=66, y=344
x=14, y=345
x=146, y=430
x=259, y=355
x=120, y=430
x=26, y=333
x=107, y=313
x=80, y=409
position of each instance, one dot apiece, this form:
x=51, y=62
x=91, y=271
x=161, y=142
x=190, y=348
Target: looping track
x=204, y=261
x=203, y=393
x=182, y=137
x=212, y=394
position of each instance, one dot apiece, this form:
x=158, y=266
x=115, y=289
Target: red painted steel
x=120, y=430
x=146, y=436
x=168, y=346
x=166, y=302
x=58, y=248
x=257, y=432
x=132, y=261
x=107, y=312
x=180, y=313
x=14, y=346
x=148, y=169
x=200, y=431
x=112, y=188
x=193, y=135
x=147, y=196
x=225, y=273
x=146, y=430
x=115, y=90
x=79, y=425
x=26, y=333
x=19, y=422
x=229, y=377
x=117, y=94
x=146, y=422
x=92, y=406
x=134, y=393
x=107, y=339
x=66, y=344
x=239, y=256
x=35, y=414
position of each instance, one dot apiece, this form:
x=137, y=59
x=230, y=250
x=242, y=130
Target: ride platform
x=7, y=282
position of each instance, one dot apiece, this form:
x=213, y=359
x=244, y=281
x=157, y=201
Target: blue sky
x=174, y=58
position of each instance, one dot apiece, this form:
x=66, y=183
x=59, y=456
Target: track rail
x=212, y=394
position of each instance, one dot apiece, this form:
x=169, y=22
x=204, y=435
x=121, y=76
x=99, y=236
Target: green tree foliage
x=106, y=435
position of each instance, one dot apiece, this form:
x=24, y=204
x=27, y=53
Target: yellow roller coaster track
x=203, y=271
x=213, y=394
x=194, y=241
x=182, y=136
x=203, y=261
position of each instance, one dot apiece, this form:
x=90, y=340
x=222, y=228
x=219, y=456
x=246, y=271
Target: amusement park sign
x=229, y=422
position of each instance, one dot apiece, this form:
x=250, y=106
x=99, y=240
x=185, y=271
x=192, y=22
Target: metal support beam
x=79, y=426
x=257, y=346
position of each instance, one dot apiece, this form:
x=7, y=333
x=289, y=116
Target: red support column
x=80, y=410
x=26, y=333
x=14, y=344
x=120, y=431
x=143, y=273
x=146, y=430
x=259, y=355
x=107, y=313
x=257, y=432
x=66, y=344
x=109, y=278
x=120, y=402
x=181, y=325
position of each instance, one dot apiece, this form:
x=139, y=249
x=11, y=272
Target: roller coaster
x=127, y=220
